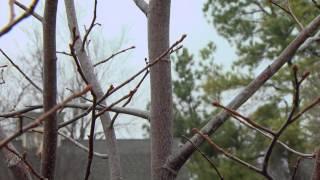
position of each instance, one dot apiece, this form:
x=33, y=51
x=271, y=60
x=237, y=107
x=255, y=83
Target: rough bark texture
x=49, y=89
x=15, y=164
x=316, y=169
x=88, y=71
x=177, y=160
x=161, y=90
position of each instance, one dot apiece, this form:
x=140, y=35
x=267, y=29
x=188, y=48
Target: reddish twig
x=155, y=61
x=248, y=120
x=205, y=157
x=43, y=117
x=132, y=92
x=229, y=155
x=271, y=137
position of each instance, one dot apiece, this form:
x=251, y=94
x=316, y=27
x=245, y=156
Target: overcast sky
x=121, y=19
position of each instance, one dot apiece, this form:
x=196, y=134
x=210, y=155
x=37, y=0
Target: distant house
x=72, y=161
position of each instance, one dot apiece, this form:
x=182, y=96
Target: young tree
x=49, y=89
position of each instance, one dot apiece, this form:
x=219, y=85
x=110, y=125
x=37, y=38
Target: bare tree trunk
x=49, y=89
x=15, y=164
x=88, y=71
x=161, y=87
x=316, y=168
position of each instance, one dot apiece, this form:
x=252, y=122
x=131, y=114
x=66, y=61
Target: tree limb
x=176, y=161
x=88, y=70
x=27, y=13
x=143, y=6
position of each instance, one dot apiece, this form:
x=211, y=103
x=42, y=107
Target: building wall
x=72, y=161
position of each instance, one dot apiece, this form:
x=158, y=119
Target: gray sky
x=122, y=19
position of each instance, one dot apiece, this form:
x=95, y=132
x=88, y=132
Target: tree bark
x=161, y=117
x=17, y=167
x=49, y=89
x=316, y=167
x=88, y=71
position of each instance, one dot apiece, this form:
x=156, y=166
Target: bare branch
x=175, y=161
x=170, y=50
x=294, y=16
x=23, y=158
x=19, y=69
x=205, y=157
x=296, y=168
x=248, y=120
x=143, y=6
x=34, y=14
x=113, y=55
x=43, y=117
x=81, y=146
x=88, y=70
x=130, y=98
x=271, y=137
x=91, y=25
x=232, y=157
x=91, y=136
x=19, y=170
x=27, y=13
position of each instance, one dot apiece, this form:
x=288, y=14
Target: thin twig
x=294, y=16
x=295, y=107
x=43, y=117
x=19, y=69
x=132, y=92
x=91, y=25
x=295, y=170
x=75, y=142
x=130, y=111
x=304, y=155
x=81, y=146
x=27, y=13
x=205, y=157
x=64, y=53
x=159, y=58
x=113, y=55
x=227, y=154
x=248, y=120
x=29, y=166
x=34, y=14
x=91, y=136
